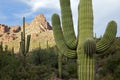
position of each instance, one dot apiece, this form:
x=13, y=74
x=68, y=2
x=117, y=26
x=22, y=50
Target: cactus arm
x=108, y=37
x=67, y=24
x=28, y=43
x=109, y=51
x=59, y=39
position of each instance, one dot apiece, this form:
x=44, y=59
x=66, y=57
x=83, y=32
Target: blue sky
x=12, y=11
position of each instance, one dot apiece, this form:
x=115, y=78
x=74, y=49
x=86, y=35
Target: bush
x=8, y=66
x=111, y=68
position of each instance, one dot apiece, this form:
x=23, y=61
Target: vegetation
x=42, y=64
x=97, y=59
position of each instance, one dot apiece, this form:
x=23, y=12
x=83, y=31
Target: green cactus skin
x=68, y=31
x=60, y=64
x=108, y=37
x=24, y=46
x=74, y=48
x=90, y=47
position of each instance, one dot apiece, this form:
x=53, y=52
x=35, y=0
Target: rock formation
x=38, y=25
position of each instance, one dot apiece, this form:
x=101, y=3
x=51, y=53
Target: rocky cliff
x=38, y=25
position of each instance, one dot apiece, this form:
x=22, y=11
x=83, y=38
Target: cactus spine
x=24, y=46
x=76, y=48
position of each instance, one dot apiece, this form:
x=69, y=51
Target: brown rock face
x=3, y=28
x=15, y=29
x=38, y=25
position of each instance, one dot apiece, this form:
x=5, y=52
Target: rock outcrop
x=38, y=25
x=3, y=28
x=15, y=29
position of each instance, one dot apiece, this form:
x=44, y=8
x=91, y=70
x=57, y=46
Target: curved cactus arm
x=108, y=37
x=109, y=51
x=67, y=24
x=59, y=39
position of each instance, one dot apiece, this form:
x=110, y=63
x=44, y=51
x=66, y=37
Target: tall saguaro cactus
x=24, y=44
x=84, y=46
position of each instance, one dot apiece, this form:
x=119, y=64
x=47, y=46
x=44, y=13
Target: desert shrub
x=111, y=68
x=44, y=57
x=8, y=66
x=46, y=61
x=69, y=68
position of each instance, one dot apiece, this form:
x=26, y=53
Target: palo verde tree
x=84, y=46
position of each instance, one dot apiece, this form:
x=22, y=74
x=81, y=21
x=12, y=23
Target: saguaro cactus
x=24, y=44
x=84, y=46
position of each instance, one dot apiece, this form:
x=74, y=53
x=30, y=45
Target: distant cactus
x=24, y=44
x=47, y=44
x=84, y=45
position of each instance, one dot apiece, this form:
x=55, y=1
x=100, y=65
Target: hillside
x=39, y=28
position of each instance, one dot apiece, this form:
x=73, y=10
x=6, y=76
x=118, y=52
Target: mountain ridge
x=38, y=25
